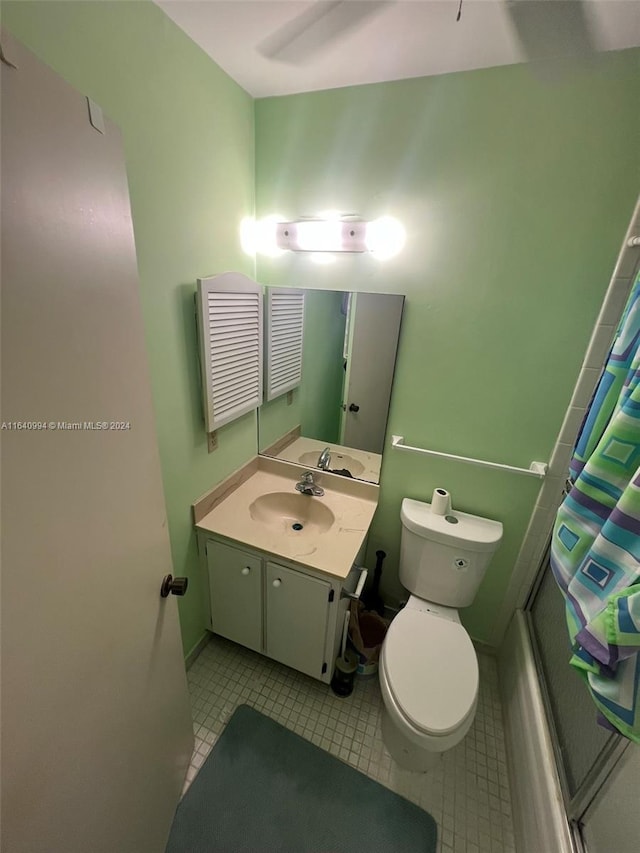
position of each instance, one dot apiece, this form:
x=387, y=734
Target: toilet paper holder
x=355, y=595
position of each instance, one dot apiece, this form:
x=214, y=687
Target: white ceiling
x=400, y=39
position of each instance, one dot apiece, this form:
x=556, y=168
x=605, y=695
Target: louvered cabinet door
x=230, y=330
x=285, y=326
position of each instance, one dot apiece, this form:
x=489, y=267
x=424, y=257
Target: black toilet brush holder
x=344, y=674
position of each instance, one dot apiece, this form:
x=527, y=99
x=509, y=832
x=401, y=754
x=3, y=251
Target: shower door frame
x=576, y=805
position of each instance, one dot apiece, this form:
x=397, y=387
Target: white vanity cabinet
x=284, y=611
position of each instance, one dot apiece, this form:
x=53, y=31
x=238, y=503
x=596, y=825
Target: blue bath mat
x=264, y=788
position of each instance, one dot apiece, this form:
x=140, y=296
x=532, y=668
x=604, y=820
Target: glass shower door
x=584, y=749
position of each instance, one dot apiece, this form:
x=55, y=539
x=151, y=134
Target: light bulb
x=385, y=237
x=265, y=236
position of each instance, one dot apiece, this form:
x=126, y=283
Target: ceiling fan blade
x=312, y=31
x=551, y=28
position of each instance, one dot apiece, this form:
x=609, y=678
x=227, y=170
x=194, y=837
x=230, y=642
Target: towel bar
x=536, y=469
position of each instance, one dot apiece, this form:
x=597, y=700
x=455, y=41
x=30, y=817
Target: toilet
x=428, y=667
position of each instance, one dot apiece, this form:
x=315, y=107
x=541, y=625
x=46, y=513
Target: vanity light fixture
x=322, y=235
x=326, y=234
x=383, y=237
x=323, y=259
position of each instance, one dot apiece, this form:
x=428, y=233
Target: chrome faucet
x=325, y=459
x=306, y=486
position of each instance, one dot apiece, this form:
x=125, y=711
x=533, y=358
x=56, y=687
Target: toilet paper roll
x=440, y=502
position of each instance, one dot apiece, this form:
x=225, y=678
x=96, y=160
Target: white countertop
x=332, y=552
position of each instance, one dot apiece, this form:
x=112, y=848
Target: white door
x=374, y=329
x=297, y=609
x=96, y=729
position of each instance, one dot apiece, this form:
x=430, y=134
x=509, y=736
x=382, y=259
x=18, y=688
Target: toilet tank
x=444, y=558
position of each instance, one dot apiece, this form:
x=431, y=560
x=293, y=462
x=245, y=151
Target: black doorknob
x=175, y=586
x=354, y=408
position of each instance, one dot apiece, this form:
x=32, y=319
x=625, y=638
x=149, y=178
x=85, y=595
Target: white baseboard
x=539, y=819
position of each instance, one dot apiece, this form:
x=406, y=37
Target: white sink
x=292, y=512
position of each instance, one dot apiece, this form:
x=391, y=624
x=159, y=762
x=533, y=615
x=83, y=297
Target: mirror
x=336, y=417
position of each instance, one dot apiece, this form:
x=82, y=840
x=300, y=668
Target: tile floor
x=468, y=795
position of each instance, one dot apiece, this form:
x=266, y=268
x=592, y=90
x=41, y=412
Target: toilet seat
x=431, y=671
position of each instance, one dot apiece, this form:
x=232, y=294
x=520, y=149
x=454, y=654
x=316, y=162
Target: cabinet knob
x=246, y=570
x=277, y=582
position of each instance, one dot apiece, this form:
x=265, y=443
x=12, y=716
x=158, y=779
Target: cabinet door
x=297, y=607
x=235, y=584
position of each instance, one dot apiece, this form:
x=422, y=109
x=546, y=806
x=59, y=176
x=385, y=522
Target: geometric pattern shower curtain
x=595, y=549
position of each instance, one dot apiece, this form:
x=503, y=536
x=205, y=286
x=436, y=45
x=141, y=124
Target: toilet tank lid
x=467, y=531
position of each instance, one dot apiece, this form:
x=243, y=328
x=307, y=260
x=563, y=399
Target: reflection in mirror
x=336, y=418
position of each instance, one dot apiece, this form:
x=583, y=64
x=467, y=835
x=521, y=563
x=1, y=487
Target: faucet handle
x=307, y=477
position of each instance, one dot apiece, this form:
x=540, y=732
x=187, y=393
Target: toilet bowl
x=429, y=682
x=428, y=667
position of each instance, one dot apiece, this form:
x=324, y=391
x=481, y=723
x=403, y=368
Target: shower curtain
x=595, y=550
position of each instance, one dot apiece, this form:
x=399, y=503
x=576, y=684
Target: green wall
x=189, y=145
x=277, y=417
x=516, y=191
